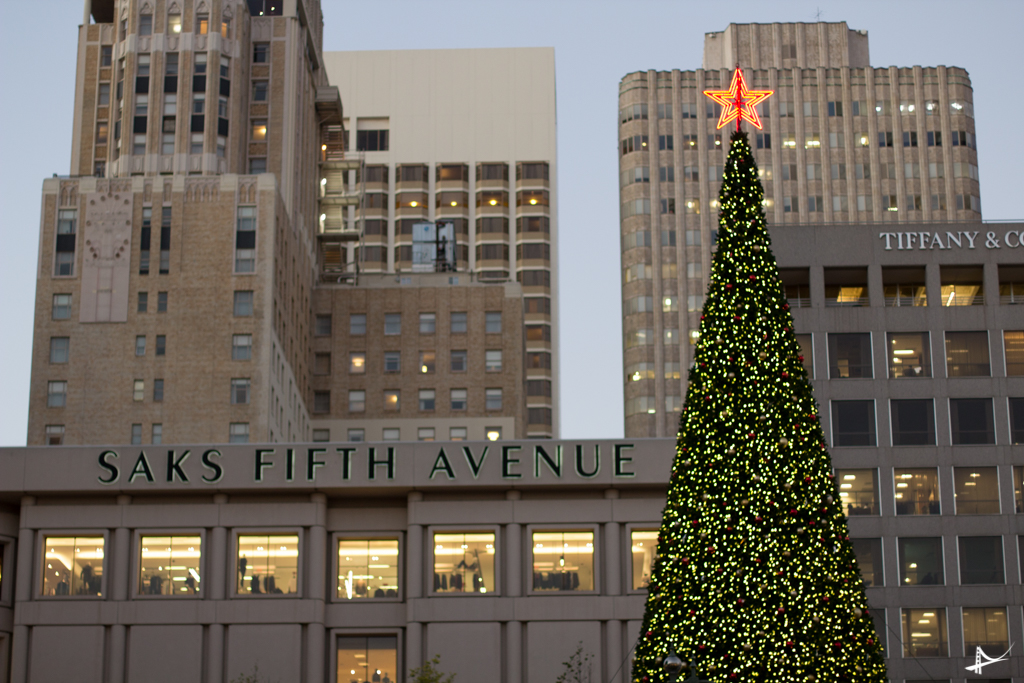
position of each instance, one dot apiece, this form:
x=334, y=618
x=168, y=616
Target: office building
x=464, y=138
x=314, y=559
x=203, y=270
x=843, y=143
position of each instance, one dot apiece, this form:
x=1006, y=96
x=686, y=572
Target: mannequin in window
x=242, y=564
x=87, y=576
x=156, y=585
x=254, y=584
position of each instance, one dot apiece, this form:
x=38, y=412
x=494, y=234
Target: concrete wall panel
x=276, y=650
x=165, y=654
x=472, y=651
x=66, y=653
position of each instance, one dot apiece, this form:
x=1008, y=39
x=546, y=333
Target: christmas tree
x=756, y=578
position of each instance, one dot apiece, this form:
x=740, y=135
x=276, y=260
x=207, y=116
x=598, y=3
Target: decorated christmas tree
x=756, y=578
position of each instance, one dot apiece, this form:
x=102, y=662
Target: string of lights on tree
x=756, y=578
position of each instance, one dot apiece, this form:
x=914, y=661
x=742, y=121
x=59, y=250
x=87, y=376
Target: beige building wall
x=842, y=143
x=194, y=122
x=347, y=360
x=471, y=108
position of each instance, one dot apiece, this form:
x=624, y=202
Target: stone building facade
x=183, y=264
x=843, y=142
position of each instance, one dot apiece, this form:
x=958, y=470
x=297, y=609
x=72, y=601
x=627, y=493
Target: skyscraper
x=843, y=142
x=213, y=268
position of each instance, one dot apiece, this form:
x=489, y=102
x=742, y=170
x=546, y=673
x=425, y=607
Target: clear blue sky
x=596, y=42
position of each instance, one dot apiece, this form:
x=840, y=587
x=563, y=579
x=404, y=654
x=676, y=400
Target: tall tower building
x=466, y=139
x=210, y=271
x=843, y=142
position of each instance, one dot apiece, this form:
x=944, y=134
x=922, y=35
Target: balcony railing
x=846, y=301
x=799, y=302
x=899, y=301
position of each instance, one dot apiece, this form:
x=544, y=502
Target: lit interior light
x=494, y=202
x=413, y=204
x=323, y=148
x=849, y=476
x=493, y=435
x=903, y=352
x=533, y=201
x=323, y=181
x=455, y=203
x=636, y=376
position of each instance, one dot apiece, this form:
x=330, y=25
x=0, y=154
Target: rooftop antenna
x=818, y=14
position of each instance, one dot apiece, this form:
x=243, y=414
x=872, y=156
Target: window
x=267, y=565
x=492, y=361
x=169, y=565
x=62, y=307
x=260, y=90
x=158, y=390
x=981, y=560
x=321, y=363
x=238, y=432
x=56, y=394
x=392, y=400
x=459, y=399
x=976, y=490
x=260, y=53
x=910, y=138
x=666, y=174
x=858, y=491
x=392, y=361
x=962, y=286
x=913, y=422
x=917, y=491
x=196, y=143
x=322, y=401
x=243, y=304
x=368, y=568
x=764, y=141
x=1013, y=349
x=356, y=324
x=427, y=362
x=849, y=356
x=425, y=434
x=240, y=390
x=909, y=354
x=464, y=562
x=372, y=140
x=458, y=434
x=492, y=433
x=59, y=349
x=225, y=28
x=492, y=322
x=428, y=323
x=322, y=326
x=885, y=138
x=643, y=551
x=257, y=166
x=392, y=324
x=1016, y=406
x=106, y=55
x=354, y=435
x=140, y=345
x=924, y=632
x=136, y=436
x=967, y=354
x=864, y=202
x=198, y=109
x=161, y=302
x=356, y=401
x=806, y=343
x=921, y=562
x=241, y=347
x=365, y=654
x=427, y=399
x=356, y=363
x=391, y=434
x=72, y=565
x=139, y=390
x=54, y=435
x=985, y=627
x=492, y=399
x=853, y=423
x=67, y=220
x=563, y=561
x=259, y=130
x=971, y=421
x=664, y=142
x=868, y=552
x=458, y=323
x=161, y=345
x=245, y=240
x=459, y=361
x=103, y=100
x=322, y=435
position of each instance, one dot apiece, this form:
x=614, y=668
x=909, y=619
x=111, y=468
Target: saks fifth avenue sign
x=451, y=462
x=961, y=239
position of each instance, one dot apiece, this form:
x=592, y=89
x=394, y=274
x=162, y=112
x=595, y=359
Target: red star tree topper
x=738, y=103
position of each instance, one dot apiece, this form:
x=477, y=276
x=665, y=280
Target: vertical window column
x=165, y=240
x=144, y=240
x=245, y=240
